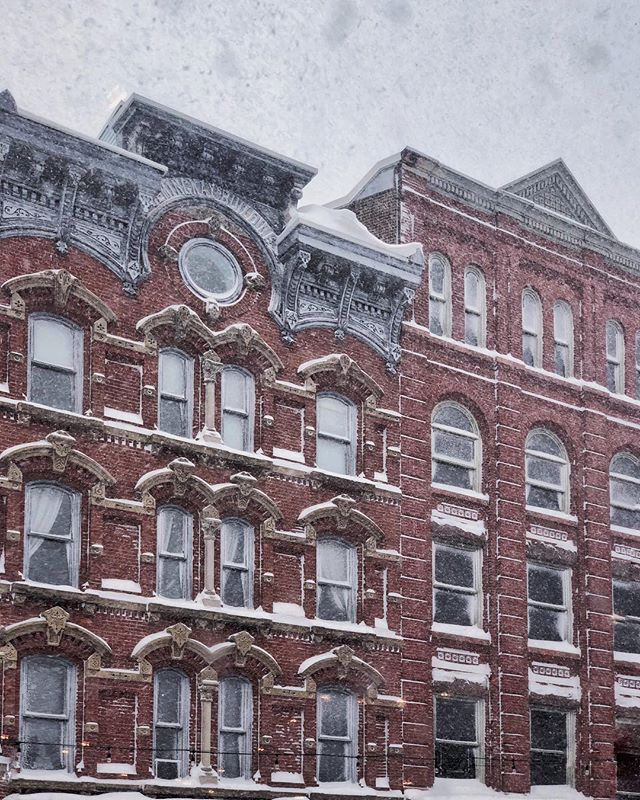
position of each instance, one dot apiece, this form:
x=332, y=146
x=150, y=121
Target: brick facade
x=118, y=633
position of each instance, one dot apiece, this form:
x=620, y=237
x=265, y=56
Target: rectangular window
x=439, y=296
x=549, y=603
x=238, y=397
x=337, y=725
x=171, y=724
x=335, y=440
x=626, y=609
x=236, y=546
x=336, y=579
x=47, y=730
x=628, y=777
x=175, y=529
x=563, y=339
x=235, y=710
x=458, y=722
x=474, y=307
x=531, y=329
x=55, y=363
x=638, y=365
x=551, y=732
x=52, y=534
x=456, y=585
x=175, y=401
x=615, y=357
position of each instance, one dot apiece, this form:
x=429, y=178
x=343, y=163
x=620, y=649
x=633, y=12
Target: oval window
x=210, y=270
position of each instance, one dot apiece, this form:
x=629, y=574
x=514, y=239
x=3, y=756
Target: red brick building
x=289, y=510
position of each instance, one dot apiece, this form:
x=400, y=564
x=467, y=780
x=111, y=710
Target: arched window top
x=453, y=415
x=439, y=295
x=544, y=442
x=475, y=299
x=627, y=465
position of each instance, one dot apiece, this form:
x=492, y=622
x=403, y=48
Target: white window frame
x=351, y=739
x=628, y=619
x=246, y=713
x=249, y=557
x=351, y=556
x=349, y=442
x=570, y=721
x=471, y=311
x=441, y=299
x=182, y=725
x=66, y=717
x=565, y=608
x=187, y=400
x=248, y=417
x=77, y=356
x=474, y=466
x=559, y=343
x=536, y=330
x=73, y=547
x=615, y=360
x=474, y=591
x=624, y=479
x=563, y=488
x=637, y=365
x=477, y=746
x=186, y=558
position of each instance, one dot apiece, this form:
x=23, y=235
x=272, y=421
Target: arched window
x=175, y=535
x=455, y=447
x=337, y=726
x=47, y=711
x=439, y=295
x=336, y=434
x=235, y=712
x=52, y=540
x=170, y=724
x=624, y=491
x=175, y=401
x=547, y=471
x=236, y=563
x=615, y=357
x=55, y=363
x=563, y=339
x=238, y=402
x=475, y=302
x=531, y=328
x=336, y=578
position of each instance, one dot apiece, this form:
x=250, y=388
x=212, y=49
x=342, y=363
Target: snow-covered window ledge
x=456, y=491
x=627, y=531
x=555, y=647
x=632, y=658
x=551, y=514
x=468, y=631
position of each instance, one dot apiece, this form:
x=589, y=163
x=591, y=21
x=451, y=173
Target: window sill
x=628, y=531
x=553, y=647
x=631, y=658
x=561, y=516
x=466, y=631
x=454, y=491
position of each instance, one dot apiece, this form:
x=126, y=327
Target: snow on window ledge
x=633, y=658
x=628, y=531
x=556, y=647
x=468, y=631
x=548, y=512
x=459, y=492
x=464, y=789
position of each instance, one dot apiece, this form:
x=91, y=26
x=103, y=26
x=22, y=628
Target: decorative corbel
x=62, y=444
x=63, y=282
x=182, y=470
x=8, y=656
x=56, y=619
x=243, y=642
x=93, y=665
x=344, y=504
x=344, y=655
x=180, y=634
x=246, y=484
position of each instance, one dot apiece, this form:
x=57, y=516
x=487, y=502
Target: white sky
x=491, y=88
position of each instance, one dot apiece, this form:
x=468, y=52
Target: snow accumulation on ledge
x=443, y=789
x=344, y=223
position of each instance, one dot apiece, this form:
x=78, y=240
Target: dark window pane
x=452, y=475
x=547, y=624
x=626, y=598
x=456, y=720
x=548, y=730
x=173, y=416
x=167, y=770
x=454, y=608
x=548, y=769
x=626, y=637
x=455, y=761
x=231, y=745
x=52, y=388
x=454, y=567
x=545, y=585
x=543, y=498
x=42, y=744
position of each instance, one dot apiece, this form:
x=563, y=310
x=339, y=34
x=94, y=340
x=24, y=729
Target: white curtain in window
x=50, y=534
x=336, y=580
x=336, y=727
x=234, y=727
x=237, y=556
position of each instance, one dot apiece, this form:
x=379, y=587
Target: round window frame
x=225, y=299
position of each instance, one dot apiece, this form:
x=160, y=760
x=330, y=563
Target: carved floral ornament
x=239, y=648
x=59, y=446
x=62, y=286
x=54, y=624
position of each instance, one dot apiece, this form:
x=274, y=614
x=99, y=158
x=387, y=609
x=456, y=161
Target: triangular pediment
x=555, y=188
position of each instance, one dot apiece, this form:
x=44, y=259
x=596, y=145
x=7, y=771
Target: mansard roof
x=555, y=187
